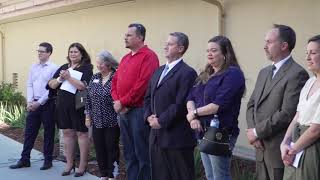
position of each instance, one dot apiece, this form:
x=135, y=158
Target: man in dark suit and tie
x=273, y=102
x=171, y=138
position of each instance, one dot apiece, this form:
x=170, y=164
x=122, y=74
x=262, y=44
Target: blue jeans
x=134, y=136
x=218, y=167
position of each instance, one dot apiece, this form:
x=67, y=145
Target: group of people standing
x=160, y=112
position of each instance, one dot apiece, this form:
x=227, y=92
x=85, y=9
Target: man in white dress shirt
x=40, y=109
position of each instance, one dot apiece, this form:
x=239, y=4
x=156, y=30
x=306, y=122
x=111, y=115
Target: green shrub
x=13, y=115
x=199, y=170
x=10, y=96
x=12, y=105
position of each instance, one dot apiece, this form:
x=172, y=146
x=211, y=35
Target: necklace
x=105, y=78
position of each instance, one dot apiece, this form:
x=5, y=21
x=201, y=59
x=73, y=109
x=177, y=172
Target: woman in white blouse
x=303, y=134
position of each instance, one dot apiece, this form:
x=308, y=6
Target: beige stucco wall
x=1, y=55
x=103, y=27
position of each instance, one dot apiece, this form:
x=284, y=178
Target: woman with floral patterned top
x=102, y=117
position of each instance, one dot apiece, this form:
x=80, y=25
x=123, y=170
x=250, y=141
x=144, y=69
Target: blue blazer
x=168, y=102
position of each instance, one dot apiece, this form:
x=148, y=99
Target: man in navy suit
x=171, y=140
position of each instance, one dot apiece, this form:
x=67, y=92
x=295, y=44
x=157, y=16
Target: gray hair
x=108, y=59
x=182, y=40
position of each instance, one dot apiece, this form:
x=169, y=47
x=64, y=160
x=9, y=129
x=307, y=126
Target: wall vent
x=15, y=80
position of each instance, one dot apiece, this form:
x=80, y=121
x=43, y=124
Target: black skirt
x=67, y=115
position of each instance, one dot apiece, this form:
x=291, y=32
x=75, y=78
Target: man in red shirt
x=129, y=85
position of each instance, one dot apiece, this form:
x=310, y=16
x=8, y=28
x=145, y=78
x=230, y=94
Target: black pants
x=106, y=142
x=45, y=115
x=172, y=164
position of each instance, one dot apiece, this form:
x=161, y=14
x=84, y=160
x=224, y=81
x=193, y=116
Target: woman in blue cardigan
x=218, y=91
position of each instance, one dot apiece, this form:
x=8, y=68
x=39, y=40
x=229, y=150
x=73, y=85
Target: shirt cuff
x=42, y=101
x=255, y=132
x=87, y=112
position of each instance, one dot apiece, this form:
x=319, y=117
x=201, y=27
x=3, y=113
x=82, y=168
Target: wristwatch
x=195, y=113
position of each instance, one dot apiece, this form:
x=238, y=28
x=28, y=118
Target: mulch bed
x=18, y=135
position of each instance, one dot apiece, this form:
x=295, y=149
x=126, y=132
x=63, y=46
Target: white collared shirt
x=279, y=64
x=172, y=64
x=39, y=75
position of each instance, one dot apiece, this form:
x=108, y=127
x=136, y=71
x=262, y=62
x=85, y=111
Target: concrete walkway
x=10, y=152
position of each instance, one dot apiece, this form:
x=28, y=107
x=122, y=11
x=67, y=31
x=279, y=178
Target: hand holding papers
x=297, y=157
x=67, y=86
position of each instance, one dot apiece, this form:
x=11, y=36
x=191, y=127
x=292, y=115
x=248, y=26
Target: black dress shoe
x=20, y=164
x=46, y=165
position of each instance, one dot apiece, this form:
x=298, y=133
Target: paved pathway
x=10, y=152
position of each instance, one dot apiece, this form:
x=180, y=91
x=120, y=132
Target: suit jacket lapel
x=170, y=73
x=157, y=77
x=280, y=74
x=154, y=83
x=262, y=83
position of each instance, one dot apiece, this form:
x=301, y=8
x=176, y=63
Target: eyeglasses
x=41, y=51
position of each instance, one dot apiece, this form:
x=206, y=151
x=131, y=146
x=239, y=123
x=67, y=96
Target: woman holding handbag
x=102, y=117
x=216, y=95
x=69, y=79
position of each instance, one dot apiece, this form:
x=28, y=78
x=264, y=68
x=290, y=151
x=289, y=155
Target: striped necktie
x=269, y=78
x=163, y=74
